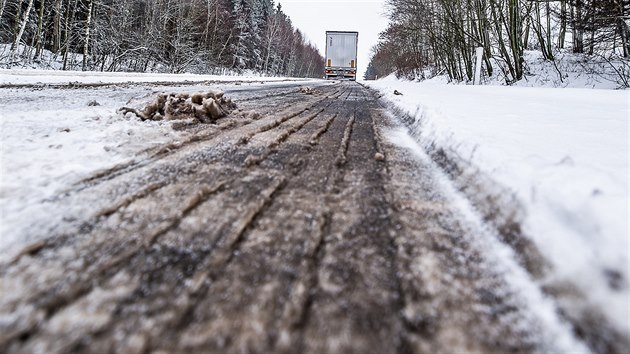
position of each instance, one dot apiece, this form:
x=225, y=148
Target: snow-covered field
x=562, y=152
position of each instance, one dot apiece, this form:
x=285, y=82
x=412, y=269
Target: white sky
x=315, y=17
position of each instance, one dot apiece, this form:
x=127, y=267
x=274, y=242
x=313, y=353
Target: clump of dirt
x=308, y=91
x=205, y=107
x=253, y=115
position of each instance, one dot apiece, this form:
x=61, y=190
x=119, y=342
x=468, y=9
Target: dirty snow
x=563, y=152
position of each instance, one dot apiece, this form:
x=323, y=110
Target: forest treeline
x=202, y=36
x=440, y=36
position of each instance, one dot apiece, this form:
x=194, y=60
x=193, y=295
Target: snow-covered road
x=333, y=224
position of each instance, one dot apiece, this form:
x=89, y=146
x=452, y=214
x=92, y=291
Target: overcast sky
x=315, y=17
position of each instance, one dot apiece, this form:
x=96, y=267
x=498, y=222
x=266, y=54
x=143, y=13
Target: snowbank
x=48, y=70
x=24, y=58
x=562, y=152
x=53, y=77
x=569, y=70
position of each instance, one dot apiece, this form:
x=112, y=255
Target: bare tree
x=18, y=37
x=440, y=35
x=86, y=38
x=40, y=32
x=57, y=25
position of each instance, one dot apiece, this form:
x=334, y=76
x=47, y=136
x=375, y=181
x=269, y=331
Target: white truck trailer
x=341, y=55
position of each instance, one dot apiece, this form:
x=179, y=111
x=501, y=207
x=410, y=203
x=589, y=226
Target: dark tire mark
x=315, y=137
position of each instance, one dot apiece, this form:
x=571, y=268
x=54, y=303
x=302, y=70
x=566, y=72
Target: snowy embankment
x=568, y=70
x=562, y=153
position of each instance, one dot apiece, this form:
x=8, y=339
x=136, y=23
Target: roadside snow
x=50, y=62
x=51, y=139
x=557, y=335
x=37, y=76
x=563, y=152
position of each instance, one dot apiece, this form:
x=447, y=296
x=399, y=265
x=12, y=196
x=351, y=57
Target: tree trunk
x=591, y=45
x=541, y=35
x=500, y=22
x=57, y=26
x=528, y=23
x=274, y=25
x=87, y=35
x=625, y=32
x=66, y=32
x=40, y=32
x=516, y=37
x=578, y=27
x=563, y=24
x=484, y=30
x=206, y=33
x=548, y=14
x=18, y=38
x=17, y=19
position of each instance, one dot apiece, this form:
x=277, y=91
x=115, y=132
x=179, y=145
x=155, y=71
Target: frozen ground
x=563, y=153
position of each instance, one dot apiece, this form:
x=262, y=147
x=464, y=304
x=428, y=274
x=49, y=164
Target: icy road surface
x=320, y=227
